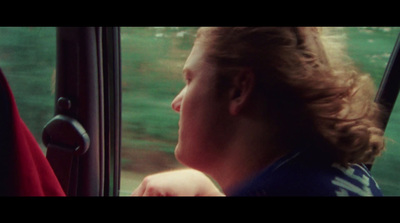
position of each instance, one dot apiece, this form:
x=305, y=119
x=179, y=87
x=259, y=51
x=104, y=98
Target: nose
x=176, y=103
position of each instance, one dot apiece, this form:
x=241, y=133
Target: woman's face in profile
x=202, y=112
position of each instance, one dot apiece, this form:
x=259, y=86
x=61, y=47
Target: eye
x=188, y=80
x=187, y=75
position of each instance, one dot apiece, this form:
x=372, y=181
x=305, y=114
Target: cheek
x=191, y=116
x=202, y=129
x=194, y=130
x=203, y=113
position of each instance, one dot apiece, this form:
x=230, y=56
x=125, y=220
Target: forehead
x=197, y=58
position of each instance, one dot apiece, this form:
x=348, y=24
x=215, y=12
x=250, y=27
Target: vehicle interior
x=85, y=111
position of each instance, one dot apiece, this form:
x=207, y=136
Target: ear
x=241, y=87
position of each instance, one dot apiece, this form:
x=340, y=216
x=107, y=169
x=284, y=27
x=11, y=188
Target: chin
x=177, y=152
x=191, y=159
x=181, y=156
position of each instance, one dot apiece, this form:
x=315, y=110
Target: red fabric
x=26, y=172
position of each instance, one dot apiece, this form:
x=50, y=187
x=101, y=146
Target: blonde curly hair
x=322, y=101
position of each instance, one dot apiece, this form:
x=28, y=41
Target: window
x=370, y=48
x=152, y=62
x=86, y=59
x=385, y=169
x=28, y=60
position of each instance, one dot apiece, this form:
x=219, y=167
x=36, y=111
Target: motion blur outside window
x=152, y=62
x=28, y=60
x=371, y=47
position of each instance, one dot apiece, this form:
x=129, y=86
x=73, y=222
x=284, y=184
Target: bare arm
x=184, y=182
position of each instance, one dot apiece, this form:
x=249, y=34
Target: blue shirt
x=302, y=174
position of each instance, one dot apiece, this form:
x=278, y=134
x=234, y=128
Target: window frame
x=87, y=91
x=389, y=87
x=390, y=83
x=111, y=58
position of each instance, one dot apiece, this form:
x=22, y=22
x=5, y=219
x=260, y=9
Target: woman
x=272, y=111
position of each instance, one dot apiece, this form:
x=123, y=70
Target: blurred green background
x=152, y=61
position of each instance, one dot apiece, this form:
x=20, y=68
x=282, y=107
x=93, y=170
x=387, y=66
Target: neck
x=250, y=150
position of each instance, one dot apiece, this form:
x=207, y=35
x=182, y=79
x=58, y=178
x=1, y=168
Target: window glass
x=28, y=58
x=152, y=61
x=385, y=169
x=371, y=47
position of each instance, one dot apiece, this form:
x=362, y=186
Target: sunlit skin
x=224, y=135
x=203, y=116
